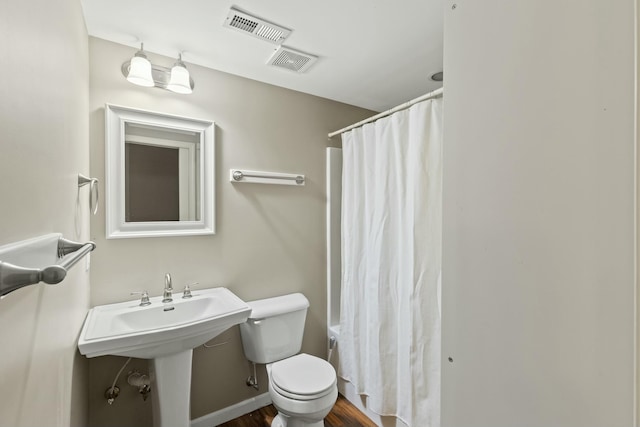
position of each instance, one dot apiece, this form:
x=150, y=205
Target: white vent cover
x=290, y=59
x=256, y=27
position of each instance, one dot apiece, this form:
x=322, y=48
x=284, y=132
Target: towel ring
x=93, y=189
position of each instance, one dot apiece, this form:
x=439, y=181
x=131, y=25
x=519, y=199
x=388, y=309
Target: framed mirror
x=159, y=174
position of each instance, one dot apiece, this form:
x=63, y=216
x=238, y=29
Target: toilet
x=303, y=388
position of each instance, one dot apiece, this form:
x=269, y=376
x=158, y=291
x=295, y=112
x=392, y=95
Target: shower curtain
x=391, y=263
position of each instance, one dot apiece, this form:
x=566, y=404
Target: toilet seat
x=303, y=377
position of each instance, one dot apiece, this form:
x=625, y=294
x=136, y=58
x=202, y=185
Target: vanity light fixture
x=141, y=72
x=179, y=81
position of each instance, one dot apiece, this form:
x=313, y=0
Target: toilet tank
x=274, y=328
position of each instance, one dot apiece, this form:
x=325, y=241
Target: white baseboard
x=230, y=412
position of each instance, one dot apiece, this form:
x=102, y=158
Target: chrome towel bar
x=237, y=175
x=68, y=253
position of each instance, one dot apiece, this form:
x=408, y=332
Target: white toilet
x=302, y=387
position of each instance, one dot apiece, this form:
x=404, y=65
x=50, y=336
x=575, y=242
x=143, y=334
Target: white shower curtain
x=391, y=263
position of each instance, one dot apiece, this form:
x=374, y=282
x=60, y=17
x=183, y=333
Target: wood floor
x=343, y=414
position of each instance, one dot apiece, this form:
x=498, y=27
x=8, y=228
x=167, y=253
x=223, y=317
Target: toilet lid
x=303, y=375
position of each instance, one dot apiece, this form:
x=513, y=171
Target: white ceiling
x=373, y=53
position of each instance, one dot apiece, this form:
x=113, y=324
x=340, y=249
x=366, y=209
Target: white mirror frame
x=116, y=227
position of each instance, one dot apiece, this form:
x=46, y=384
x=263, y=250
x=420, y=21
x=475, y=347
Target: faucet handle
x=187, y=290
x=145, y=298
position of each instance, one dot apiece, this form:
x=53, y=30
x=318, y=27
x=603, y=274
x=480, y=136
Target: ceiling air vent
x=290, y=59
x=256, y=27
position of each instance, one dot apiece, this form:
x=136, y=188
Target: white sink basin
x=160, y=329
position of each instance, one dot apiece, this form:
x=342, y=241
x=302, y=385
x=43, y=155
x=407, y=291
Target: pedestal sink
x=165, y=333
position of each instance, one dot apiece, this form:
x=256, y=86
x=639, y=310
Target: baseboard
x=230, y=412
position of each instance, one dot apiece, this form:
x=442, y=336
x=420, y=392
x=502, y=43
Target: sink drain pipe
x=141, y=381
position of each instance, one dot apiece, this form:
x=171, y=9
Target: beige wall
x=44, y=129
x=269, y=239
x=538, y=257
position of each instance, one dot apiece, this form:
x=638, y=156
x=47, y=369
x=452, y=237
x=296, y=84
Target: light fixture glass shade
x=140, y=71
x=179, y=81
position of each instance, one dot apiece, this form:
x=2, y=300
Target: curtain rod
x=404, y=106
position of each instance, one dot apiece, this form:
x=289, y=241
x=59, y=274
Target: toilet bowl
x=302, y=387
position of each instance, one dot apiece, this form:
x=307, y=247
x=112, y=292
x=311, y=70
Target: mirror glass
x=159, y=174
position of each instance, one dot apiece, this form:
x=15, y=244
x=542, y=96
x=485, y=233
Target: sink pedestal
x=171, y=389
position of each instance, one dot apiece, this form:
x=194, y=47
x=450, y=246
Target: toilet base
x=282, y=420
x=301, y=413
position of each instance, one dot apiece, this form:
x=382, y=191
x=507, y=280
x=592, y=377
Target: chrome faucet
x=168, y=290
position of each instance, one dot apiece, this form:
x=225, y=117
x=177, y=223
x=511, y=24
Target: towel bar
x=258, y=177
x=67, y=254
